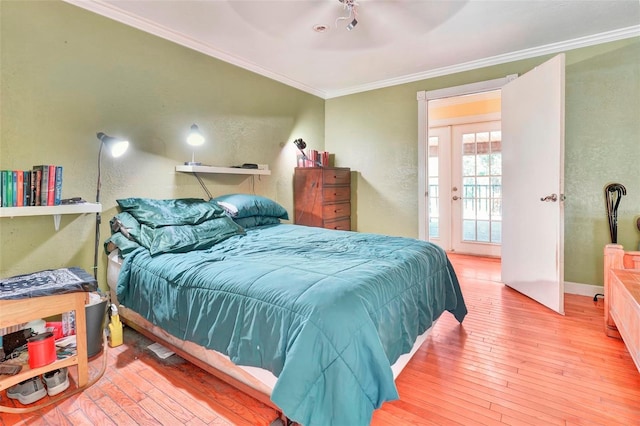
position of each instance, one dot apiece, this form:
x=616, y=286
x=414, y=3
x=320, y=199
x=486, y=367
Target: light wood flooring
x=511, y=362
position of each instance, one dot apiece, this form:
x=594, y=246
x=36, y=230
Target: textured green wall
x=67, y=73
x=376, y=132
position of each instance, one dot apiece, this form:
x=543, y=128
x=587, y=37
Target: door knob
x=552, y=197
x=455, y=197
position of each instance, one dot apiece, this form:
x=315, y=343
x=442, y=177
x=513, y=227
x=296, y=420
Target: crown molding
x=619, y=34
x=109, y=11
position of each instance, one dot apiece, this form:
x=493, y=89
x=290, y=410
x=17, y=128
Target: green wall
x=67, y=73
x=376, y=133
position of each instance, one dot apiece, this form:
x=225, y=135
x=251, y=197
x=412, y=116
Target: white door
x=533, y=184
x=476, y=188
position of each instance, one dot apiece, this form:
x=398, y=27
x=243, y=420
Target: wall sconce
x=195, y=138
x=116, y=147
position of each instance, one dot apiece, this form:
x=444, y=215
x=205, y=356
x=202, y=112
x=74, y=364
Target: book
x=51, y=185
x=14, y=188
x=3, y=190
x=19, y=188
x=26, y=177
x=44, y=183
x=38, y=186
x=57, y=196
x=32, y=187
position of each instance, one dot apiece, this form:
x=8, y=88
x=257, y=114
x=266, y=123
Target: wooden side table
x=24, y=310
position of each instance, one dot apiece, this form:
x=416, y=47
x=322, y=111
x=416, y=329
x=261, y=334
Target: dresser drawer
x=336, y=193
x=339, y=224
x=337, y=210
x=336, y=176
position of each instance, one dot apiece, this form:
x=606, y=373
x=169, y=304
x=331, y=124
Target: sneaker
x=27, y=392
x=56, y=381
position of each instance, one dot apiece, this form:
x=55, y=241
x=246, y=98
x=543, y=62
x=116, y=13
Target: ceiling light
x=320, y=28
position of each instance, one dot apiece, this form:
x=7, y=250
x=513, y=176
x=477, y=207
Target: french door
x=465, y=187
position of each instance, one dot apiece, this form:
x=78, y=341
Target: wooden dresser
x=622, y=297
x=322, y=197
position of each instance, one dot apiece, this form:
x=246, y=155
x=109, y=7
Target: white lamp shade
x=118, y=148
x=195, y=137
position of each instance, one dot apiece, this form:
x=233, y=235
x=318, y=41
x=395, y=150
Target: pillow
x=181, y=211
x=184, y=238
x=253, y=221
x=245, y=205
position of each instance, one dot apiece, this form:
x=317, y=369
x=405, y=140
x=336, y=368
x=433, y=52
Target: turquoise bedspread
x=327, y=312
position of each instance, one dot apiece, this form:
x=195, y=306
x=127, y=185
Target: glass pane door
x=478, y=186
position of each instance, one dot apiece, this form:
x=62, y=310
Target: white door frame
x=423, y=97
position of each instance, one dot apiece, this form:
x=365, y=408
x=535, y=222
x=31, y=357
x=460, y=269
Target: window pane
x=496, y=164
x=468, y=138
x=496, y=187
x=469, y=165
x=434, y=227
x=482, y=137
x=483, y=231
x=496, y=232
x=469, y=230
x=483, y=165
x=468, y=187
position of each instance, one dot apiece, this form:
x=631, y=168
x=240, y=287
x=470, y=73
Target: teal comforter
x=327, y=312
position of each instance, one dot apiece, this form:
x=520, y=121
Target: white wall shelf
x=54, y=211
x=222, y=170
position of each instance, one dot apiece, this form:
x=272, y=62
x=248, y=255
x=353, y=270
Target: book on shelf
x=26, y=187
x=14, y=188
x=44, y=183
x=51, y=191
x=40, y=186
x=37, y=185
x=19, y=188
x=57, y=196
x=3, y=190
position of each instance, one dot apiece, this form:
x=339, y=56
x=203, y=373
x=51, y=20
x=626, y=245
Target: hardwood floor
x=512, y=362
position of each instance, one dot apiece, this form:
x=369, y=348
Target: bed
x=313, y=319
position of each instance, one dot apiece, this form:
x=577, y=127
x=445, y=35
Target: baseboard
x=582, y=289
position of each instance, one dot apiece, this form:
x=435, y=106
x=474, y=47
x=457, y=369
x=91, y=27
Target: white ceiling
x=395, y=41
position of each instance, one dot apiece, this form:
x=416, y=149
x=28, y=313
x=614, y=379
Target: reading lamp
x=300, y=144
x=116, y=148
x=195, y=138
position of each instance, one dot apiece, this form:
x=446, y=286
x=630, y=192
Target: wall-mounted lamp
x=116, y=147
x=195, y=138
x=301, y=145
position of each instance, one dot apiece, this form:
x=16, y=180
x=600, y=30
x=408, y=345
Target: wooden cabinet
x=322, y=197
x=23, y=310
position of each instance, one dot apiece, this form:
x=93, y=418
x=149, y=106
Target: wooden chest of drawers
x=322, y=197
x=622, y=297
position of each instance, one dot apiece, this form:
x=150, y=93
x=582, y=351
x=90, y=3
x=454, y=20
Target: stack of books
x=41, y=186
x=314, y=158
